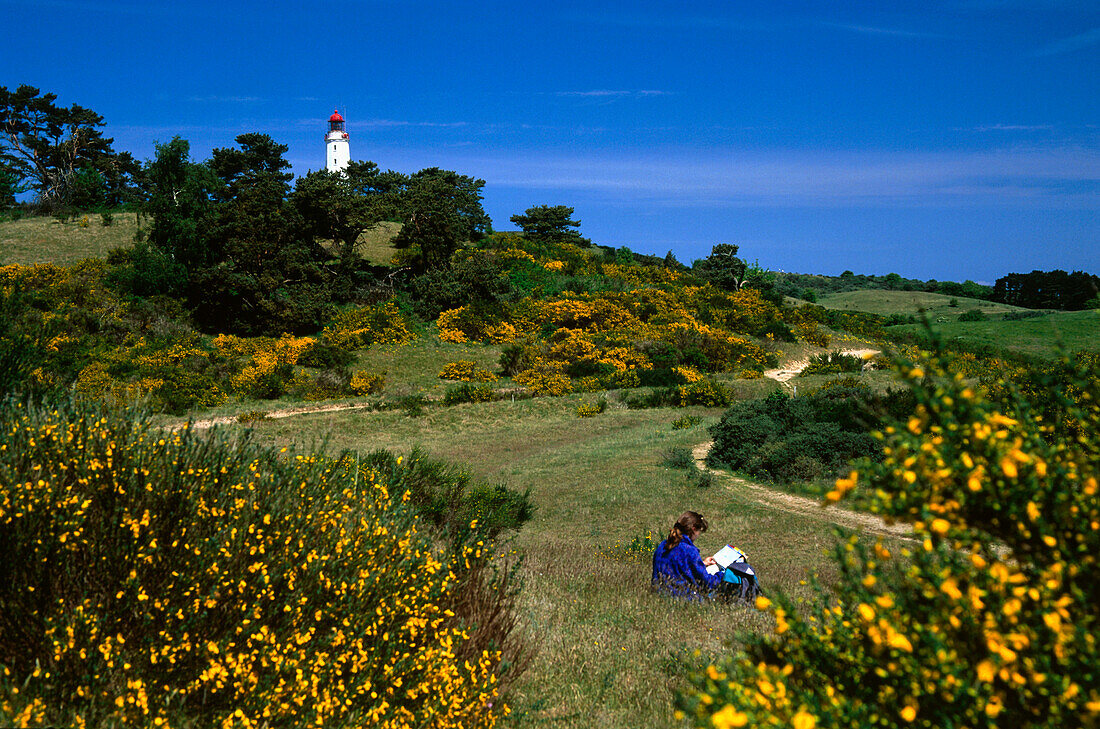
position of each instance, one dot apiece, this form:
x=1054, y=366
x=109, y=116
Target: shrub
x=413, y=405
x=685, y=422
x=449, y=498
x=466, y=371
x=991, y=621
x=106, y=218
x=202, y=580
x=329, y=383
x=364, y=383
x=588, y=410
x=467, y=392
x=789, y=439
x=324, y=355
x=973, y=315
x=830, y=362
x=252, y=416
x=704, y=392
x=678, y=457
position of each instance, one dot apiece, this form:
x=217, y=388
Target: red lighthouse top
x=336, y=123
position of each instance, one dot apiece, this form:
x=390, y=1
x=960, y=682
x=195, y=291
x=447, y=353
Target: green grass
x=1041, y=336
x=414, y=367
x=608, y=652
x=876, y=301
x=45, y=240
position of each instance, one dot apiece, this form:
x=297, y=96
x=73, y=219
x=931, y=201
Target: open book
x=726, y=556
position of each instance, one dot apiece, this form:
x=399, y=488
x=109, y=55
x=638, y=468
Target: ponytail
x=689, y=522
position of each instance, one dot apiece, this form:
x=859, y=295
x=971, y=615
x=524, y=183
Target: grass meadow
x=47, y=240
x=607, y=652
x=876, y=301
x=1041, y=336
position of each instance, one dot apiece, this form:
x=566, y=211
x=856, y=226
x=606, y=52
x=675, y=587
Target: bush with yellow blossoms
x=466, y=370
x=155, y=578
x=988, y=617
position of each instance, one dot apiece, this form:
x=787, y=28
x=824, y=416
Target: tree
x=439, y=209
x=723, y=268
x=339, y=206
x=549, y=223
x=181, y=203
x=45, y=145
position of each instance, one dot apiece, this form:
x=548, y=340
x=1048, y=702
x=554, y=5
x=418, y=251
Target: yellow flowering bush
x=466, y=371
x=175, y=579
x=989, y=619
x=365, y=383
x=360, y=327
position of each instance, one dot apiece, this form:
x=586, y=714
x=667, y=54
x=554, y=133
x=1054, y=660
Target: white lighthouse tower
x=337, y=149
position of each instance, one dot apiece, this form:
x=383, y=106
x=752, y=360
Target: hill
x=1039, y=336
x=886, y=303
x=48, y=240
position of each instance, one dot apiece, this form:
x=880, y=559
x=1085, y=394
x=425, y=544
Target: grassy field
x=1041, y=336
x=608, y=653
x=46, y=240
x=937, y=306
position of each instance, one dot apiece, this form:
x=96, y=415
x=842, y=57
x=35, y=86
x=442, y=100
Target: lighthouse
x=337, y=150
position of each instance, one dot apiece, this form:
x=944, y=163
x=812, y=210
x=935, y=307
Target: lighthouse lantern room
x=337, y=149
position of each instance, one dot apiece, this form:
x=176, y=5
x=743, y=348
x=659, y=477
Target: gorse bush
x=990, y=620
x=172, y=579
x=466, y=371
x=467, y=392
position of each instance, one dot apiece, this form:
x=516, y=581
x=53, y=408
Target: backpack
x=739, y=583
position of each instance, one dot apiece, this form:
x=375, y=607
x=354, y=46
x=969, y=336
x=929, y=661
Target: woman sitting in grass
x=677, y=566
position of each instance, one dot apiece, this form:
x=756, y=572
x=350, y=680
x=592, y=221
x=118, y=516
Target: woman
x=677, y=566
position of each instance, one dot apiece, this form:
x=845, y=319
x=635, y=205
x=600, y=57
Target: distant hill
x=886, y=303
x=1038, y=336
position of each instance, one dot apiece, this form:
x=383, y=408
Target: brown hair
x=689, y=523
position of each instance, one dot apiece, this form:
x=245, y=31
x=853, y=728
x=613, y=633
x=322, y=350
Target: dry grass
x=375, y=244
x=45, y=240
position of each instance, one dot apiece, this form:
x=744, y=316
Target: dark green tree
x=439, y=210
x=723, y=268
x=549, y=223
x=181, y=204
x=45, y=145
x=340, y=206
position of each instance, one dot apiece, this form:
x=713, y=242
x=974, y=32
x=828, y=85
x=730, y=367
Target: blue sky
x=946, y=140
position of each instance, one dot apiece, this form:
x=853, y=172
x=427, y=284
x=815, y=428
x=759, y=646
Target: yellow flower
x=762, y=603
x=804, y=720
x=909, y=713
x=729, y=717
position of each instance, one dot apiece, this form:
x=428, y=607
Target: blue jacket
x=681, y=571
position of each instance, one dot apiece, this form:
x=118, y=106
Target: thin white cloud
x=1040, y=177
x=1011, y=128
x=875, y=30
x=1069, y=45
x=614, y=93
x=404, y=123
x=224, y=99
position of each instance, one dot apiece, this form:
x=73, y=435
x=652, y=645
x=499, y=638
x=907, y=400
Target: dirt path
x=287, y=413
x=792, y=369
x=801, y=505
x=793, y=503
